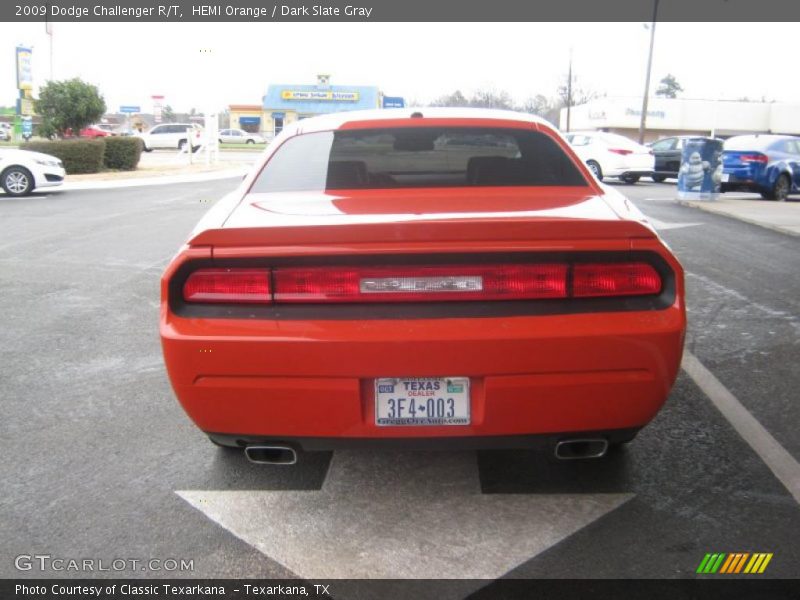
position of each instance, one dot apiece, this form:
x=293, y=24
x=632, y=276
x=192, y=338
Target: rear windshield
x=413, y=157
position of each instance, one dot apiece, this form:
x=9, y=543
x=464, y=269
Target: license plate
x=422, y=401
x=726, y=177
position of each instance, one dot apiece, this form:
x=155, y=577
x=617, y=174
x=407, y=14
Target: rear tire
x=17, y=181
x=250, y=142
x=629, y=179
x=181, y=145
x=594, y=167
x=658, y=178
x=780, y=191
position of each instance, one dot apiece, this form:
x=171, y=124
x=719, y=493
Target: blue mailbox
x=700, y=173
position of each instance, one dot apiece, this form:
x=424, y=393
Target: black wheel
x=220, y=141
x=250, y=142
x=629, y=179
x=181, y=145
x=658, y=178
x=594, y=167
x=17, y=181
x=780, y=191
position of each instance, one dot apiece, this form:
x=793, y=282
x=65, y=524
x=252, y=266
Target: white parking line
x=775, y=456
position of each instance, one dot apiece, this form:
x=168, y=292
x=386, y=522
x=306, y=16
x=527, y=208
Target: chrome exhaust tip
x=581, y=448
x=271, y=455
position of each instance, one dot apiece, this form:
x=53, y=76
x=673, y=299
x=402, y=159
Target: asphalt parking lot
x=101, y=462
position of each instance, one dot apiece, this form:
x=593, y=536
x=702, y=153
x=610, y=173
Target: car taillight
x=756, y=158
x=420, y=284
x=228, y=285
x=290, y=285
x=622, y=151
x=614, y=279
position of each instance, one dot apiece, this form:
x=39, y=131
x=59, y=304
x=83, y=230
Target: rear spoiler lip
x=455, y=232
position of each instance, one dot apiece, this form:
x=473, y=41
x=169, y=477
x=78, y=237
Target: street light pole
x=643, y=121
x=569, y=88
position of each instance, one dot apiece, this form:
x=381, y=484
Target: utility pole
x=569, y=87
x=643, y=122
x=48, y=27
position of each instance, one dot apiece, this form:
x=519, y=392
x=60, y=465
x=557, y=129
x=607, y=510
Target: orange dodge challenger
x=438, y=278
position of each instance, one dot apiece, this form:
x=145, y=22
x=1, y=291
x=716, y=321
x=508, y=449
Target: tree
x=669, y=87
x=454, y=99
x=167, y=114
x=492, y=99
x=479, y=99
x=576, y=95
x=537, y=105
x=69, y=104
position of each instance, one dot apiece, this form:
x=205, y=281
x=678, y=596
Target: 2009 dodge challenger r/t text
x=442, y=278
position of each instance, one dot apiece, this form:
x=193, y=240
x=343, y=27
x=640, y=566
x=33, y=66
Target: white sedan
x=612, y=155
x=22, y=171
x=239, y=136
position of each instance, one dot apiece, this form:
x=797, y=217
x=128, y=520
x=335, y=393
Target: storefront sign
x=24, y=72
x=632, y=112
x=320, y=96
x=393, y=102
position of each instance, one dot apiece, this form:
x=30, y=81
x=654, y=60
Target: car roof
x=740, y=142
x=337, y=120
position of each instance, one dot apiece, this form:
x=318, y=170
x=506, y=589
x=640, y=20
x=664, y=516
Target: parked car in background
x=5, y=133
x=612, y=155
x=22, y=171
x=94, y=131
x=107, y=127
x=239, y=136
x=171, y=135
x=453, y=279
x=766, y=164
x=668, y=153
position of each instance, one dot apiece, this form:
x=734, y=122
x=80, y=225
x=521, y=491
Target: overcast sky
x=130, y=62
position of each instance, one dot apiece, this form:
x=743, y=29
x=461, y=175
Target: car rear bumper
x=529, y=375
x=509, y=442
x=741, y=186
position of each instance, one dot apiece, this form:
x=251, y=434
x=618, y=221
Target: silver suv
x=171, y=135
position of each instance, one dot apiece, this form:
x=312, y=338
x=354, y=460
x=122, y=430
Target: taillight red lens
x=622, y=151
x=757, y=158
x=420, y=284
x=228, y=285
x=615, y=279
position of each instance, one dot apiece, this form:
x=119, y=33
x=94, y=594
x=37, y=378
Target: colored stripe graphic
x=703, y=563
x=727, y=564
x=733, y=563
x=764, y=564
x=741, y=562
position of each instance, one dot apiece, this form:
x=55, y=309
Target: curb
x=705, y=206
x=149, y=181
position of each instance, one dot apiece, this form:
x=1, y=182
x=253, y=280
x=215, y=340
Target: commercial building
x=286, y=103
x=667, y=117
